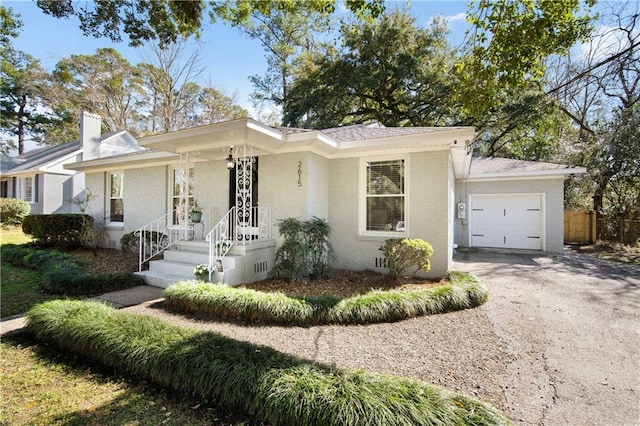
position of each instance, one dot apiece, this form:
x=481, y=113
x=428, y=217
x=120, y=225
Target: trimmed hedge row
x=220, y=301
x=56, y=230
x=272, y=386
x=64, y=274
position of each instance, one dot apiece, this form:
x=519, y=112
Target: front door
x=243, y=194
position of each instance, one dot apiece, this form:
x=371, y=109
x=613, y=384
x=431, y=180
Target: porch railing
x=157, y=236
x=233, y=229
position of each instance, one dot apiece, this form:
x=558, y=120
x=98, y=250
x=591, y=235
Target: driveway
x=571, y=325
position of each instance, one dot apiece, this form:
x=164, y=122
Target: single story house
x=39, y=177
x=370, y=183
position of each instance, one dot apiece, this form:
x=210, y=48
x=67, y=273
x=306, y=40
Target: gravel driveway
x=556, y=344
x=571, y=327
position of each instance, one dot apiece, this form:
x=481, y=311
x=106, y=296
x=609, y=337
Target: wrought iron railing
x=157, y=236
x=251, y=226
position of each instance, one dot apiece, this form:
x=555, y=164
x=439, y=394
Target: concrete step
x=159, y=280
x=187, y=256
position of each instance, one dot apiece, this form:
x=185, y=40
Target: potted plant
x=201, y=272
x=196, y=213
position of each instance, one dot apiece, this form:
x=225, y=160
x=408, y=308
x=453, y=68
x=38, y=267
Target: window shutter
x=14, y=185
x=36, y=186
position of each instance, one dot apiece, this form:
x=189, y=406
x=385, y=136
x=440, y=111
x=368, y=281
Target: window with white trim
x=25, y=189
x=116, y=199
x=178, y=181
x=385, y=196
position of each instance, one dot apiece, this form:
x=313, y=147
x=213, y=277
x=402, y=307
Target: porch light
x=230, y=162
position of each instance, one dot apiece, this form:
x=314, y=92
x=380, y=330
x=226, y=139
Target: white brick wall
x=554, y=205
x=145, y=196
x=427, y=218
x=211, y=180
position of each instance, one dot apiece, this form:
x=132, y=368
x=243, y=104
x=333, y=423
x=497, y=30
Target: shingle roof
x=487, y=165
x=376, y=130
x=37, y=157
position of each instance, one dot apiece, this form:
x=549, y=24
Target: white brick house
x=368, y=181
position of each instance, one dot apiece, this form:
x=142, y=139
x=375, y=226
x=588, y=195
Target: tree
x=389, y=71
x=169, y=21
x=104, y=83
x=284, y=36
x=22, y=85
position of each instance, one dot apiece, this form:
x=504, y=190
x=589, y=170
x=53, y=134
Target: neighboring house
x=39, y=176
x=368, y=181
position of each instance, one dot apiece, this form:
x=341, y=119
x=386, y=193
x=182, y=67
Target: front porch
x=241, y=264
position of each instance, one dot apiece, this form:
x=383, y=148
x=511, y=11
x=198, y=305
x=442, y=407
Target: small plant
x=201, y=269
x=405, y=253
x=196, y=208
x=306, y=250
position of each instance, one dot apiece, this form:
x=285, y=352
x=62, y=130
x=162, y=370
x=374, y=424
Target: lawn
x=41, y=387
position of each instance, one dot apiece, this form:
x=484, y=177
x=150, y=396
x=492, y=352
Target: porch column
x=184, y=209
x=244, y=189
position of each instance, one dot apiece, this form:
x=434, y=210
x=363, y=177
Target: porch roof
x=213, y=141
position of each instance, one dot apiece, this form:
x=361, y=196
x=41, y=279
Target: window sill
x=382, y=236
x=114, y=225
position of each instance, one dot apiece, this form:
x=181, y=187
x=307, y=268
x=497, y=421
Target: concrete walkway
x=118, y=299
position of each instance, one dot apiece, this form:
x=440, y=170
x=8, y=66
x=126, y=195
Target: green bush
x=223, y=302
x=57, y=230
x=13, y=211
x=42, y=260
x=405, y=253
x=305, y=252
x=70, y=283
x=64, y=274
x=274, y=387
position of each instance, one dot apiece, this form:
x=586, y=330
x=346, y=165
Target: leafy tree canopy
x=168, y=21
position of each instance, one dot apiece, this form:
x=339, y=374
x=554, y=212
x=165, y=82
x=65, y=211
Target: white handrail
x=157, y=236
x=232, y=230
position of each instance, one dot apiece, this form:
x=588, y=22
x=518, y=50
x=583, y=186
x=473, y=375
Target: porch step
x=184, y=269
x=159, y=280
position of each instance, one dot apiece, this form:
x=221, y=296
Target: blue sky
x=229, y=56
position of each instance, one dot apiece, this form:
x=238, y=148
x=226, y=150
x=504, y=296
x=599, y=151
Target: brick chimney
x=90, y=132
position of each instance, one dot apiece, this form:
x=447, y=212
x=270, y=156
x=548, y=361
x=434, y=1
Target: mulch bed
x=344, y=283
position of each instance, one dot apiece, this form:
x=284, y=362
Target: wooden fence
x=579, y=227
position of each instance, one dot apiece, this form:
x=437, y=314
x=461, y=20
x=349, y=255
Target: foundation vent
x=381, y=262
x=260, y=267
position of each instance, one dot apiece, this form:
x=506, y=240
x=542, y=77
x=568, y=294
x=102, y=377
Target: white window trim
x=21, y=189
x=362, y=199
x=108, y=200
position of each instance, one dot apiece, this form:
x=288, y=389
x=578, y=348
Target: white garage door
x=506, y=221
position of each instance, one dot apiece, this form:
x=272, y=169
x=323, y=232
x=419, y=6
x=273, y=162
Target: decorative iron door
x=244, y=194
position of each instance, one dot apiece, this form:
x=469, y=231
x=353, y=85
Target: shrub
x=42, y=260
x=57, y=230
x=130, y=241
x=305, y=251
x=68, y=282
x=272, y=386
x=223, y=302
x=405, y=253
x=13, y=211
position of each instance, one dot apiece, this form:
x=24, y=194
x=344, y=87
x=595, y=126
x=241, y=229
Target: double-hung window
x=116, y=199
x=385, y=196
x=25, y=189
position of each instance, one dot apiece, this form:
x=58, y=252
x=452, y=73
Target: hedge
x=59, y=230
x=223, y=302
x=271, y=386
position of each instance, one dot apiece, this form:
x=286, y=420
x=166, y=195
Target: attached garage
x=512, y=204
x=507, y=221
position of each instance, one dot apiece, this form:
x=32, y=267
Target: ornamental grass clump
x=274, y=387
x=223, y=302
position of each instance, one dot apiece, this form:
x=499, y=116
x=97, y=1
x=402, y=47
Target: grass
x=21, y=290
x=223, y=302
x=273, y=387
x=13, y=235
x=40, y=386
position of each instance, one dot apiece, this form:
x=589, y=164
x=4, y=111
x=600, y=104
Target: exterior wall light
x=230, y=162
